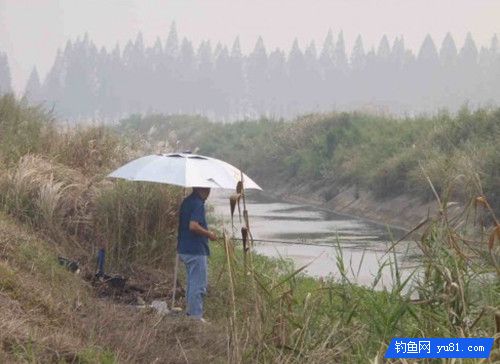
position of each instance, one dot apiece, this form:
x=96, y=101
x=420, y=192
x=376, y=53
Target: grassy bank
x=52, y=189
x=383, y=155
x=55, y=201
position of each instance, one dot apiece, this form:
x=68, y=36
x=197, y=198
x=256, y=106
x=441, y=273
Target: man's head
x=203, y=192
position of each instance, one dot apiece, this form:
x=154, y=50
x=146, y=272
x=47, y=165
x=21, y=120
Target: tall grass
x=278, y=315
x=49, y=195
x=138, y=222
x=54, y=179
x=23, y=129
x=92, y=150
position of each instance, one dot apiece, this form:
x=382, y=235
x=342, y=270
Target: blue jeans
x=196, y=268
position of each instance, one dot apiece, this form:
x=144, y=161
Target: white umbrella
x=184, y=169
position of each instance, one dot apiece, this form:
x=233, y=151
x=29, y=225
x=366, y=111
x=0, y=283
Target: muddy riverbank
x=403, y=212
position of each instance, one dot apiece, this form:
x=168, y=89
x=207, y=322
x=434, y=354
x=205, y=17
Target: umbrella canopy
x=185, y=170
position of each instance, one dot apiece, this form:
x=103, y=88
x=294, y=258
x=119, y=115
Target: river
x=310, y=235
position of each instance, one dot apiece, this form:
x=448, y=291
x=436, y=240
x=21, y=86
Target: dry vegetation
x=52, y=183
x=55, y=201
x=50, y=315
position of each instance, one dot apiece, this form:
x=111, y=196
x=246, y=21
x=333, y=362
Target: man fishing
x=192, y=246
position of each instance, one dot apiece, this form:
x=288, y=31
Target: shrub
x=391, y=178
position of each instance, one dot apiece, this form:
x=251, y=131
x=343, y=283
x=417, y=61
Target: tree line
x=173, y=77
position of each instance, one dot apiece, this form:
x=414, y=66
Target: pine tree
x=186, y=76
x=52, y=88
x=381, y=73
x=104, y=87
x=80, y=82
x=356, y=89
x=341, y=69
x=311, y=55
x=489, y=71
x=204, y=58
x=168, y=73
x=221, y=81
x=32, y=91
x=400, y=80
x=398, y=52
x=256, y=71
x=326, y=57
x=327, y=66
x=218, y=50
x=155, y=54
x=203, y=89
x=298, y=77
x=312, y=78
x=152, y=76
x=358, y=58
x=494, y=49
x=172, y=43
x=139, y=69
x=468, y=69
x=112, y=83
x=116, y=75
x=278, y=84
x=428, y=54
x=468, y=54
x=448, y=54
x=494, y=71
x=426, y=74
x=339, y=55
x=384, y=49
x=236, y=86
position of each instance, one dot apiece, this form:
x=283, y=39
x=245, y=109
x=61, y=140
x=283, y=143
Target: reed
x=299, y=319
x=137, y=222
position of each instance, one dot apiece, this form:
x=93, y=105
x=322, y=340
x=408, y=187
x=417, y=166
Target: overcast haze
x=31, y=31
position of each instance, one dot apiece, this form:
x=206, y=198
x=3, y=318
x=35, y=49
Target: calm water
x=364, y=244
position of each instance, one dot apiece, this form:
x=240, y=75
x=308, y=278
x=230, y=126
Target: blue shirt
x=188, y=242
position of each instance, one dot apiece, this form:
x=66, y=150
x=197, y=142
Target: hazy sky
x=32, y=30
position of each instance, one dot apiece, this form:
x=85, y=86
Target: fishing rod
x=288, y=242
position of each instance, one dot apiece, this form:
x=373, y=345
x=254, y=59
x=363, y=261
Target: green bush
x=392, y=177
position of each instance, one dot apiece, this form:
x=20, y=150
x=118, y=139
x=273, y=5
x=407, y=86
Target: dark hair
x=201, y=189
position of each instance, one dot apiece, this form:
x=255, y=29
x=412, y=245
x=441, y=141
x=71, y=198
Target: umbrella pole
x=174, y=288
x=176, y=264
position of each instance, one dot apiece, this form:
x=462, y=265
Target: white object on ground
x=161, y=307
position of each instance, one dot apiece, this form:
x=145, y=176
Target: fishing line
x=320, y=244
x=323, y=244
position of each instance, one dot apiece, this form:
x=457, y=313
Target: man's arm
x=195, y=227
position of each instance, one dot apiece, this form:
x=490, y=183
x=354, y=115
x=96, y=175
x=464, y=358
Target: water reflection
x=364, y=244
